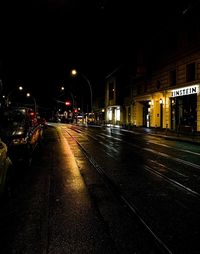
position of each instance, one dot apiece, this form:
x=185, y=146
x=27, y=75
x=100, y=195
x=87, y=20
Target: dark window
x=158, y=84
x=139, y=90
x=192, y=34
x=111, y=91
x=172, y=78
x=126, y=91
x=145, y=88
x=190, y=72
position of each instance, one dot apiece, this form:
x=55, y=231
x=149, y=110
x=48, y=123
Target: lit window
x=109, y=114
x=117, y=114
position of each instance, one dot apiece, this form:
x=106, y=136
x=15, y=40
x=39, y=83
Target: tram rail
x=124, y=201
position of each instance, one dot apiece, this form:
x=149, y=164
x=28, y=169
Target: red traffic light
x=32, y=114
x=67, y=103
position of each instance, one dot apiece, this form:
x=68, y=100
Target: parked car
x=5, y=169
x=21, y=132
x=42, y=121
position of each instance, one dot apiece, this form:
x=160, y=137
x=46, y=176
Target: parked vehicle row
x=20, y=133
x=5, y=168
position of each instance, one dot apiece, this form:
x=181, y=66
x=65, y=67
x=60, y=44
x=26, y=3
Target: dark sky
x=42, y=40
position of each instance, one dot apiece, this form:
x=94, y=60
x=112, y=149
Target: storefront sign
x=185, y=91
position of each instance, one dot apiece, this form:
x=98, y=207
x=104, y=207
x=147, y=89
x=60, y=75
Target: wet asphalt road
x=158, y=176
x=51, y=210
x=60, y=204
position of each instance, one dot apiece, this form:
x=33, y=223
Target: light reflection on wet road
x=61, y=193
x=161, y=177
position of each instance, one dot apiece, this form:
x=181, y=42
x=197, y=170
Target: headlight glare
x=19, y=141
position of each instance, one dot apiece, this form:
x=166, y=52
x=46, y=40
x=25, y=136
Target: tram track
x=176, y=187
x=116, y=190
x=187, y=163
x=173, y=182
x=153, y=169
x=175, y=149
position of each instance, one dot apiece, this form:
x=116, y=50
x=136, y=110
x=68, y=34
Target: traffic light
x=67, y=103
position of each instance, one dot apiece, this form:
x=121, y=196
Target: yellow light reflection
x=68, y=163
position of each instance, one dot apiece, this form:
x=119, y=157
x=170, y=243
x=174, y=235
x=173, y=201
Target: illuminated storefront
x=173, y=109
x=113, y=115
x=149, y=111
x=184, y=102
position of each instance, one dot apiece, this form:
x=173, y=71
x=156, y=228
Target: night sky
x=41, y=41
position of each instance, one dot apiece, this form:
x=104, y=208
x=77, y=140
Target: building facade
x=171, y=99
x=117, y=94
x=114, y=112
x=167, y=92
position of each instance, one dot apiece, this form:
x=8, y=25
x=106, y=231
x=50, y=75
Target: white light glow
x=185, y=91
x=117, y=114
x=110, y=114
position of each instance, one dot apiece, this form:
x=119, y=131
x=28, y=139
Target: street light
x=161, y=113
x=75, y=73
x=35, y=106
x=62, y=93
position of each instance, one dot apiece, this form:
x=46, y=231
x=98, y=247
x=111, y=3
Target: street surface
x=104, y=190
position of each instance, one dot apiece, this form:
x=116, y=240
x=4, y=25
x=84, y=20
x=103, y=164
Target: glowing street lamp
x=75, y=73
x=28, y=95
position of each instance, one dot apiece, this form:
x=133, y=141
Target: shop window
x=109, y=114
x=117, y=114
x=172, y=78
x=190, y=72
x=187, y=110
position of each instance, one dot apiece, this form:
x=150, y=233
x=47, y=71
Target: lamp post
x=62, y=91
x=75, y=73
x=35, y=105
x=161, y=113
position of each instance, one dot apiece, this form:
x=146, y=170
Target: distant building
x=117, y=96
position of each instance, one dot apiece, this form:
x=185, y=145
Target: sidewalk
x=163, y=133
x=168, y=134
